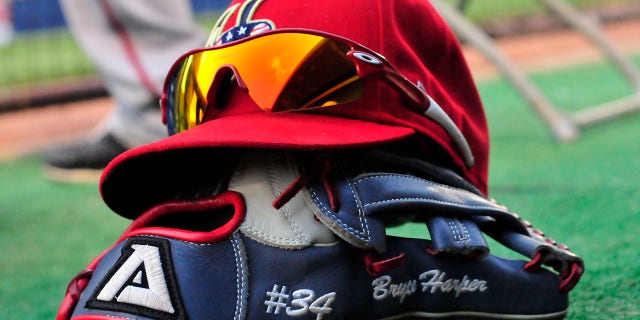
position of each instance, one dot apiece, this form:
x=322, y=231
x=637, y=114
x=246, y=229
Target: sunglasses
x=289, y=70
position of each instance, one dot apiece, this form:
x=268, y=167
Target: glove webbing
x=456, y=219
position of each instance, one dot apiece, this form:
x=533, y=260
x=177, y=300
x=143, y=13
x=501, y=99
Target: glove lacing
x=319, y=169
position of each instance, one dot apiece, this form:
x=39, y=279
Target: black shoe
x=82, y=161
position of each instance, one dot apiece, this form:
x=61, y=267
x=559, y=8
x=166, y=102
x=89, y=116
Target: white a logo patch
x=141, y=282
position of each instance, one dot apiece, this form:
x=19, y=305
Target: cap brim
x=150, y=174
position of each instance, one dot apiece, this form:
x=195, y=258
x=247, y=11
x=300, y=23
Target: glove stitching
x=432, y=200
x=238, y=252
x=423, y=198
x=359, y=206
x=276, y=239
x=335, y=219
x=275, y=188
x=391, y=175
x=460, y=232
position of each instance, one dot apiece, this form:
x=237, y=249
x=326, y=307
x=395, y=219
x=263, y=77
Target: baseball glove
x=304, y=236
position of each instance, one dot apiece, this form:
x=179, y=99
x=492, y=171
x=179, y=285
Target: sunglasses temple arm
x=435, y=113
x=432, y=111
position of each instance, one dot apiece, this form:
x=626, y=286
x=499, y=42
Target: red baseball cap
x=408, y=33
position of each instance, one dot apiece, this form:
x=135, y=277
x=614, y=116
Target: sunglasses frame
x=368, y=63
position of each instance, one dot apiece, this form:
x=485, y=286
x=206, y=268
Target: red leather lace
x=318, y=170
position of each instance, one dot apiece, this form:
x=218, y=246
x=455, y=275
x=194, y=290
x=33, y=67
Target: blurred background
x=39, y=60
x=584, y=192
x=40, y=63
x=42, y=66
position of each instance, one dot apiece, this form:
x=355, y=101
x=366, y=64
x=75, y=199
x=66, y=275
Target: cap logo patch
x=245, y=25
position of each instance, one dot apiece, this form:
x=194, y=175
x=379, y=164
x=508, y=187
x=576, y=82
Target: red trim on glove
x=228, y=198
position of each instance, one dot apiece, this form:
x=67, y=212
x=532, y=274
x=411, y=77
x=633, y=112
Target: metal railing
x=564, y=125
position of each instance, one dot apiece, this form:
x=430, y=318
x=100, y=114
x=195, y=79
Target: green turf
x=48, y=232
x=585, y=194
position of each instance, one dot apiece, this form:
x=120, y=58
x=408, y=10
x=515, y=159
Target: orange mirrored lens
x=282, y=72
